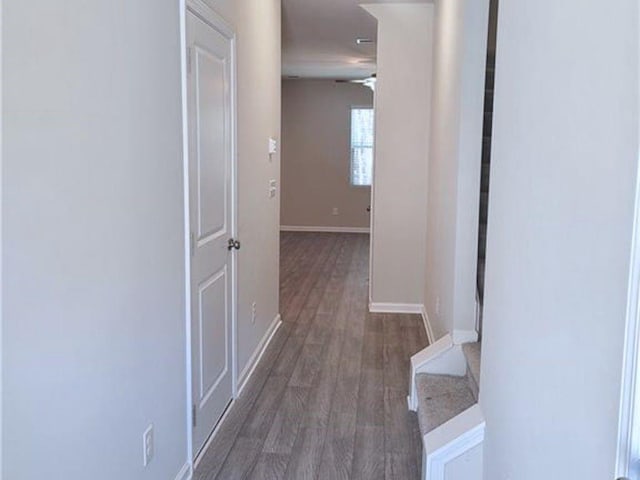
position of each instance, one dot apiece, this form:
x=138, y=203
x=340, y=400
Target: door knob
x=233, y=243
x=369, y=208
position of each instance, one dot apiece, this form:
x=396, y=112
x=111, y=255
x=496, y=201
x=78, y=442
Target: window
x=361, y=146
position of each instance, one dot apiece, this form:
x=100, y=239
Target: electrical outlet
x=253, y=312
x=147, y=444
x=335, y=211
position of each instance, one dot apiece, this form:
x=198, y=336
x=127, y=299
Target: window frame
x=351, y=149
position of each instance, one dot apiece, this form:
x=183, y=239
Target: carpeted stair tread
x=440, y=398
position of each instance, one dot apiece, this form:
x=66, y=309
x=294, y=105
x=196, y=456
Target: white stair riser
x=457, y=439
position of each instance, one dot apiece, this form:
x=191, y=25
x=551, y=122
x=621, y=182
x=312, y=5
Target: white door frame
x=206, y=14
x=372, y=200
x=628, y=415
x=630, y=391
x=1, y=318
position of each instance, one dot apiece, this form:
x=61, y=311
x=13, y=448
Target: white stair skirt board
x=295, y=228
x=415, y=308
x=441, y=358
x=427, y=324
x=449, y=442
x=248, y=370
x=185, y=472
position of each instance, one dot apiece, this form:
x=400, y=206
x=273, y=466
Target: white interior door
x=211, y=223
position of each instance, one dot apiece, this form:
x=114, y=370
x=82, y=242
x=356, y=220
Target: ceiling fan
x=370, y=81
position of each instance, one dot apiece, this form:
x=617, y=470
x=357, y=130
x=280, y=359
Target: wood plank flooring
x=328, y=400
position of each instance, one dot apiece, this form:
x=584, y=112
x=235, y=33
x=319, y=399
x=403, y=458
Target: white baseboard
x=243, y=379
x=207, y=444
x=395, y=308
x=185, y=472
x=464, y=336
x=427, y=324
x=248, y=370
x=295, y=228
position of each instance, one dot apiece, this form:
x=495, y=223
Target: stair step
x=490, y=79
x=484, y=179
x=482, y=238
x=440, y=398
x=487, y=124
x=486, y=150
x=488, y=101
x=484, y=206
x=480, y=277
x=484, y=213
x=472, y=352
x=483, y=229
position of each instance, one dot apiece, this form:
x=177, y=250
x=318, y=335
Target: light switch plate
x=273, y=146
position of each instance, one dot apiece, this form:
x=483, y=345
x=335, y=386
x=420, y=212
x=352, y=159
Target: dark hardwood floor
x=328, y=400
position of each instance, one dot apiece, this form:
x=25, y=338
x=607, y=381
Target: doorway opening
x=327, y=155
x=328, y=82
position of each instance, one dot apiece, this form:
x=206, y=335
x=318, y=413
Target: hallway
x=328, y=400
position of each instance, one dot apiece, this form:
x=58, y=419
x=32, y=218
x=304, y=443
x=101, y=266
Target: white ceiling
x=319, y=38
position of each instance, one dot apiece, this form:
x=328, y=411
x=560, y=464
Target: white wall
x=92, y=212
x=316, y=154
x=563, y=171
x=257, y=26
x=403, y=105
x=460, y=43
x=92, y=199
x=1, y=237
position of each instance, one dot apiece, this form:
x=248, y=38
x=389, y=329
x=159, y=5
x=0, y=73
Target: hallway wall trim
x=243, y=380
x=375, y=307
x=411, y=308
x=295, y=228
x=459, y=336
